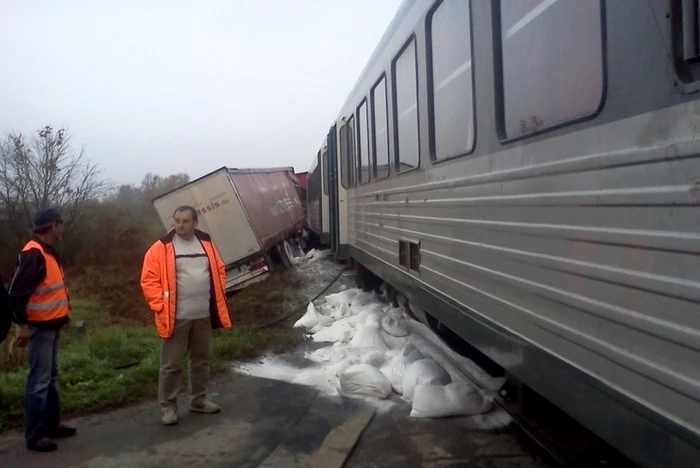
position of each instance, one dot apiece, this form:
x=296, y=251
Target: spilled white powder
x=357, y=330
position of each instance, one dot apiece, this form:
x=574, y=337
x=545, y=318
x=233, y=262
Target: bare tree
x=44, y=172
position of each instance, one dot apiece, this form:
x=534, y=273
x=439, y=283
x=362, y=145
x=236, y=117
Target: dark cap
x=46, y=217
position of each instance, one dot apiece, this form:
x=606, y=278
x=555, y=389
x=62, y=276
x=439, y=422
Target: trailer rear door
x=220, y=214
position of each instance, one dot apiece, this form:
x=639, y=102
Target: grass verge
x=88, y=381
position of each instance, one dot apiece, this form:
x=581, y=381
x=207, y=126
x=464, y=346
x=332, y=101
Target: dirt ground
x=285, y=291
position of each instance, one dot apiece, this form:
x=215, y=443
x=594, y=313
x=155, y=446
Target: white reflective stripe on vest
x=47, y=305
x=49, y=288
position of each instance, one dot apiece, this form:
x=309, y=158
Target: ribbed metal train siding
x=593, y=257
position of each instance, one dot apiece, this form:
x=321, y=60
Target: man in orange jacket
x=184, y=281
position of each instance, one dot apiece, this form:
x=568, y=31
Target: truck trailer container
x=247, y=212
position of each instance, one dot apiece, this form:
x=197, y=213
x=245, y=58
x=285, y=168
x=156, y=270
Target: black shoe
x=62, y=431
x=42, y=445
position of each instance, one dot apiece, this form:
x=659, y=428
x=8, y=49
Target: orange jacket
x=159, y=283
x=49, y=301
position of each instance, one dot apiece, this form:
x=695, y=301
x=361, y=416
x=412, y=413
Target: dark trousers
x=41, y=404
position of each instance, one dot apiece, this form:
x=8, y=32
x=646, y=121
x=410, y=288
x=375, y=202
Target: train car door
x=334, y=213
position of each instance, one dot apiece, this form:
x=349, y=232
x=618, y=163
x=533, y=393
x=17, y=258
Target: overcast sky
x=185, y=86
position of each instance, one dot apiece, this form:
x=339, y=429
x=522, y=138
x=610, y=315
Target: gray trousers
x=193, y=336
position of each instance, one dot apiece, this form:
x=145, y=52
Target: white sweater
x=193, y=279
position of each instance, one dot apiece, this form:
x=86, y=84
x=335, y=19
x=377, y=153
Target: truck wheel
x=270, y=262
x=286, y=253
x=298, y=246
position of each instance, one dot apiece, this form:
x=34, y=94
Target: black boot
x=42, y=445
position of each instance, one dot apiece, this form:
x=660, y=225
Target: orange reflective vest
x=49, y=301
x=159, y=284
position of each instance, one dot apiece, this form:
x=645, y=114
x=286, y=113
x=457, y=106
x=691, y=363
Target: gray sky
x=171, y=86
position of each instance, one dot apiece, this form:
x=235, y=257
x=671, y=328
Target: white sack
x=394, y=342
x=338, y=332
x=396, y=367
x=361, y=300
x=397, y=313
x=393, y=326
x=394, y=372
x=319, y=254
x=317, y=328
x=349, y=322
x=374, y=358
x=411, y=354
x=362, y=380
x=455, y=399
x=338, y=299
x=312, y=318
x=423, y=371
x=333, y=369
x=368, y=336
x=339, y=351
x=373, y=319
x=341, y=312
x=362, y=315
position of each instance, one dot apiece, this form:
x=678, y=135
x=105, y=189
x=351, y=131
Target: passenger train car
x=525, y=175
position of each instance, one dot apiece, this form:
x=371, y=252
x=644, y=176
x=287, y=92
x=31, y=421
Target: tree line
x=110, y=225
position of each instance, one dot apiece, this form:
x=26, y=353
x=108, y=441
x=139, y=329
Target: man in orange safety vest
x=41, y=307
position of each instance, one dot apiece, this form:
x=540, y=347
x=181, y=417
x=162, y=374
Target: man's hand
x=21, y=336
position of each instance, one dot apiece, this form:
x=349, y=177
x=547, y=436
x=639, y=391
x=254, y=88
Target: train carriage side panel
x=551, y=221
x=325, y=200
x=314, y=199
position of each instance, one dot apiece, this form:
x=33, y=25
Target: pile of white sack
x=314, y=255
x=372, y=356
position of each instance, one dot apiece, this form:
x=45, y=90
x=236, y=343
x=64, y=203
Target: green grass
x=88, y=380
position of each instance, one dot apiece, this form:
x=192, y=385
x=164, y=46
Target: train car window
x=450, y=80
x=324, y=162
x=403, y=253
x=380, y=130
x=363, y=144
x=551, y=59
x=685, y=33
x=351, y=159
x=343, y=144
x=406, y=108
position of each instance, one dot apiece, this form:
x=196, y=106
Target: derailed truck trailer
x=248, y=213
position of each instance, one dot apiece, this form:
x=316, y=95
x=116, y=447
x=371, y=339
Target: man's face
x=58, y=230
x=184, y=224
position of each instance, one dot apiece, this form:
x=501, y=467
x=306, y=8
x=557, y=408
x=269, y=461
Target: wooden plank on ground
x=340, y=441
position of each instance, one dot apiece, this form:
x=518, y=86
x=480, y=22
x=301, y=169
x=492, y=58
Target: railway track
x=555, y=437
